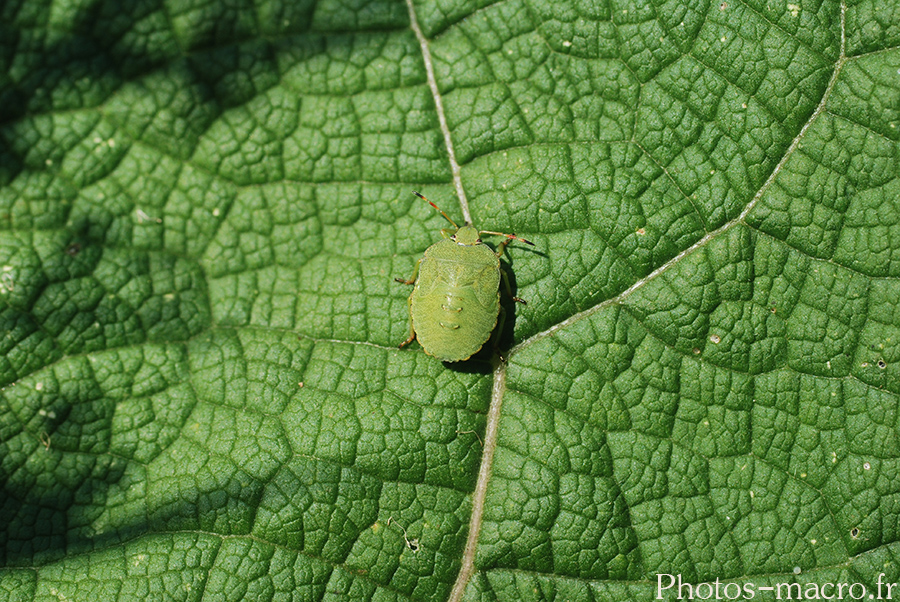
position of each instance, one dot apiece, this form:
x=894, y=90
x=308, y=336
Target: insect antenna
x=527, y=242
x=447, y=217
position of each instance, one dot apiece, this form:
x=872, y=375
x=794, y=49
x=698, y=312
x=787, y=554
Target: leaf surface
x=204, y=205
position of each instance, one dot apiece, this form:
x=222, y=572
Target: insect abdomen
x=457, y=323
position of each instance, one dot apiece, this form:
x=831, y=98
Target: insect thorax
x=476, y=255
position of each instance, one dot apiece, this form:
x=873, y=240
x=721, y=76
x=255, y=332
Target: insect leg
x=498, y=332
x=501, y=248
x=412, y=331
x=412, y=279
x=505, y=279
x=509, y=237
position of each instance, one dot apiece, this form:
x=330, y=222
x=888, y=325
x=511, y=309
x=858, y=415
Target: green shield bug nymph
x=455, y=304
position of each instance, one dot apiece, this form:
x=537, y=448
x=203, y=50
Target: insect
x=455, y=304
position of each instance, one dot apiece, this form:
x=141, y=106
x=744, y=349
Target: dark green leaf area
x=872, y=25
x=180, y=562
x=694, y=465
x=836, y=196
x=203, y=210
x=79, y=431
x=877, y=359
x=696, y=116
x=344, y=413
x=700, y=406
x=382, y=454
x=314, y=109
x=542, y=516
x=338, y=452
x=121, y=299
x=751, y=304
x=384, y=533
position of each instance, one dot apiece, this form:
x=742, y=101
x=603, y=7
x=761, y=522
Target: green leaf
x=204, y=205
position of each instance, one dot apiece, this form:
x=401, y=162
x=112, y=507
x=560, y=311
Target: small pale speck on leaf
x=794, y=8
x=715, y=339
x=471, y=433
x=567, y=44
x=797, y=570
x=867, y=466
x=7, y=283
x=882, y=364
x=300, y=384
x=142, y=216
x=641, y=231
x=696, y=350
